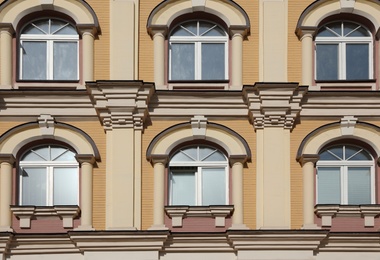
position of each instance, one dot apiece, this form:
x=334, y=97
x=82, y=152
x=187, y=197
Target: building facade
x=181, y=129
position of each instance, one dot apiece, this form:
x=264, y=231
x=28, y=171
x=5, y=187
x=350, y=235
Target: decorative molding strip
x=177, y=213
x=26, y=213
x=368, y=212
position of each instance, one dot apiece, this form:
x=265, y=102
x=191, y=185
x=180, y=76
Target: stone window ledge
x=368, y=212
x=178, y=213
x=26, y=213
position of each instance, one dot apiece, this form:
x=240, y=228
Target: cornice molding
x=121, y=104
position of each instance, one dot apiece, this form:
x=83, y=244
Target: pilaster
x=274, y=109
x=122, y=107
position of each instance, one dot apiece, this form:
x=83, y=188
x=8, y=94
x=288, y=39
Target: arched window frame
x=199, y=39
x=340, y=159
x=51, y=38
x=341, y=42
x=199, y=167
x=50, y=164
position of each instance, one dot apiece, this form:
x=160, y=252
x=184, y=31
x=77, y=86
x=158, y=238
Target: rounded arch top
x=316, y=140
x=228, y=11
x=12, y=11
x=319, y=10
x=16, y=138
x=167, y=141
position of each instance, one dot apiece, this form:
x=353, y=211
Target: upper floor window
x=198, y=177
x=198, y=51
x=48, y=51
x=343, y=52
x=49, y=175
x=345, y=175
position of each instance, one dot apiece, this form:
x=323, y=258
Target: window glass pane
x=216, y=157
x=217, y=31
x=182, y=61
x=33, y=60
x=213, y=58
x=336, y=28
x=67, y=156
x=354, y=30
x=332, y=154
x=325, y=32
x=66, y=186
x=183, y=187
x=33, y=156
x=191, y=27
x=33, y=186
x=42, y=25
x=205, y=152
x=357, y=59
x=185, y=155
x=204, y=26
x=359, y=185
x=65, y=60
x=213, y=186
x=179, y=31
x=32, y=29
x=329, y=190
x=62, y=28
x=327, y=61
x=357, y=154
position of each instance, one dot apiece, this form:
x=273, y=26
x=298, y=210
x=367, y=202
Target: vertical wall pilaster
x=88, y=38
x=159, y=192
x=86, y=162
x=237, y=59
x=308, y=161
x=237, y=192
x=274, y=108
x=123, y=115
x=159, y=56
x=6, y=170
x=6, y=54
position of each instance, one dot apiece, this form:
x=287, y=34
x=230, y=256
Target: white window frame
x=199, y=165
x=50, y=39
x=49, y=166
x=198, y=41
x=344, y=165
x=342, y=41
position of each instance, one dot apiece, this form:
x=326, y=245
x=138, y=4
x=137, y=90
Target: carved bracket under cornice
x=274, y=104
x=121, y=104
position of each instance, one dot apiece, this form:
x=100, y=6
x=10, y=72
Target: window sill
x=198, y=85
x=45, y=85
x=327, y=212
x=26, y=213
x=333, y=85
x=219, y=212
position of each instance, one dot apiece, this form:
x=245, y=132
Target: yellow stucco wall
x=102, y=43
x=295, y=9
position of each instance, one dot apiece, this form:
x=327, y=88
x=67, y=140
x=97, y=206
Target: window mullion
x=50, y=62
x=198, y=186
x=198, y=61
x=344, y=185
x=49, y=188
x=342, y=58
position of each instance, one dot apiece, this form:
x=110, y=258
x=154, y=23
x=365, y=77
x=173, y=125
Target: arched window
x=343, y=52
x=49, y=175
x=345, y=175
x=198, y=176
x=198, y=51
x=48, y=51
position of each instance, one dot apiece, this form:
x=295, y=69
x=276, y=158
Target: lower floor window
x=345, y=175
x=49, y=175
x=198, y=177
